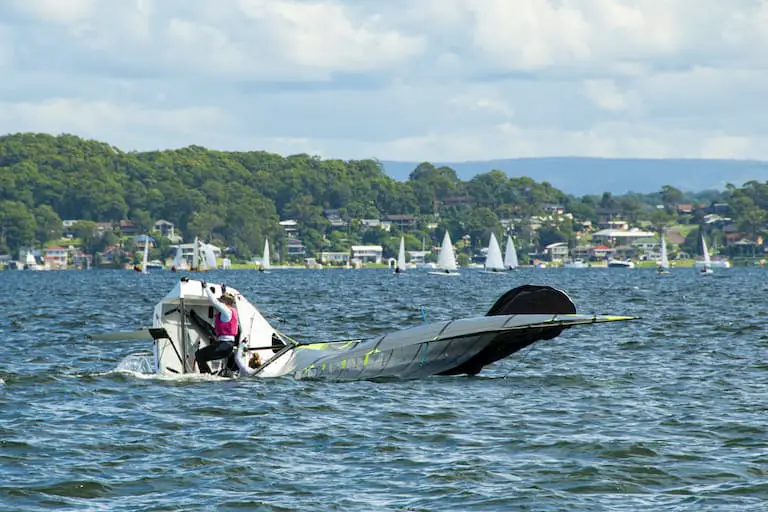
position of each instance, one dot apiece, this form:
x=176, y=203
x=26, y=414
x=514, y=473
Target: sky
x=409, y=80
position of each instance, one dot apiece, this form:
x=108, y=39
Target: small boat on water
x=265, y=263
x=400, y=265
x=663, y=268
x=621, y=264
x=493, y=262
x=576, y=263
x=446, y=260
x=155, y=265
x=510, y=255
x=705, y=269
x=183, y=322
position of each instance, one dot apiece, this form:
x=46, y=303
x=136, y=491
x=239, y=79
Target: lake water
x=666, y=413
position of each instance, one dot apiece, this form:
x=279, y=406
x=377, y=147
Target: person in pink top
x=225, y=327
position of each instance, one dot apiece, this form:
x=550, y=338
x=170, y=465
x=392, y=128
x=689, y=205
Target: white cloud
x=606, y=95
x=57, y=11
x=396, y=79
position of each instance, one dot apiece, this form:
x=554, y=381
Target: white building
x=369, y=253
x=334, y=258
x=620, y=236
x=557, y=251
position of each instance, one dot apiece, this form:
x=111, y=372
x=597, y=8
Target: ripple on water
x=666, y=413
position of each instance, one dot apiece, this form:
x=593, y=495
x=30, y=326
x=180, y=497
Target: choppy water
x=668, y=413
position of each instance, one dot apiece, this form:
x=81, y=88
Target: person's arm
x=226, y=313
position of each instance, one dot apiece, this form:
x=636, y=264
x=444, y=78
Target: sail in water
x=664, y=261
x=510, y=254
x=179, y=262
x=446, y=261
x=706, y=269
x=144, y=269
x=493, y=261
x=400, y=267
x=209, y=256
x=265, y=265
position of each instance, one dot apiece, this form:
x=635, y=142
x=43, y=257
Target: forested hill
x=237, y=198
x=234, y=197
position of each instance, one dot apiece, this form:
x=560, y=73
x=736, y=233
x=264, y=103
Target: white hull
x=575, y=264
x=443, y=273
x=620, y=264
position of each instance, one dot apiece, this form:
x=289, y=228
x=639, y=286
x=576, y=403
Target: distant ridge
x=587, y=175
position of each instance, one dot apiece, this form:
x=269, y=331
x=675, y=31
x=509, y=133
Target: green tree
x=17, y=226
x=48, y=224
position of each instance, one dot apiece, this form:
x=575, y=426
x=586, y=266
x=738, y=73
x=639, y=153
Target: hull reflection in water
x=183, y=323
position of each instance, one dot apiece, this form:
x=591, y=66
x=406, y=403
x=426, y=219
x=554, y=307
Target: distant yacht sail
x=493, y=261
x=401, y=257
x=510, y=254
x=706, y=269
x=144, y=269
x=446, y=262
x=664, y=264
x=265, y=258
x=179, y=262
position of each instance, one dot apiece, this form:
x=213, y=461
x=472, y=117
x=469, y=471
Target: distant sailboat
x=400, y=267
x=664, y=263
x=446, y=262
x=145, y=263
x=265, y=264
x=510, y=255
x=706, y=268
x=493, y=262
x=203, y=257
x=179, y=262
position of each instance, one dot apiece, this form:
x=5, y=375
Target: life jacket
x=226, y=328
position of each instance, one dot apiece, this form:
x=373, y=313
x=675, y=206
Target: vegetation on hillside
x=236, y=199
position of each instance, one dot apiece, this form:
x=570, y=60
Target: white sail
x=179, y=263
x=493, y=260
x=144, y=264
x=209, y=256
x=401, y=255
x=196, y=263
x=447, y=259
x=664, y=257
x=707, y=262
x=265, y=257
x=510, y=254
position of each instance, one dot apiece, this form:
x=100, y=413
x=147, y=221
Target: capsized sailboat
x=446, y=261
x=493, y=262
x=510, y=254
x=400, y=266
x=183, y=322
